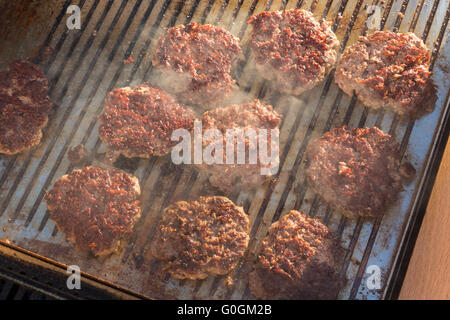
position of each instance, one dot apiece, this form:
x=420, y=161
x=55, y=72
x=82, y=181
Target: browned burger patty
x=389, y=70
x=24, y=106
x=196, y=61
x=203, y=237
x=299, y=259
x=292, y=49
x=140, y=122
x=356, y=171
x=252, y=115
x=95, y=207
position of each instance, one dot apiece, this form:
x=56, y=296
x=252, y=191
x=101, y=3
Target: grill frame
x=39, y=278
x=157, y=10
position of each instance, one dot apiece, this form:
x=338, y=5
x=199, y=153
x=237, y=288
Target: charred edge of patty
x=202, y=237
x=292, y=49
x=299, y=259
x=140, y=122
x=24, y=106
x=95, y=208
x=389, y=70
x=195, y=61
x=356, y=171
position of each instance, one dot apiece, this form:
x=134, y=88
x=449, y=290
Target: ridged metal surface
x=11, y=291
x=86, y=65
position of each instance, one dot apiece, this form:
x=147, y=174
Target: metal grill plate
x=87, y=64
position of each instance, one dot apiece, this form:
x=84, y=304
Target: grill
x=86, y=64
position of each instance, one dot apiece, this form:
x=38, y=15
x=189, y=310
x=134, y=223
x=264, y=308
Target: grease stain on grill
x=129, y=165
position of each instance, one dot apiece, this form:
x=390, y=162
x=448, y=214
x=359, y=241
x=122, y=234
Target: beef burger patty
x=254, y=115
x=299, y=259
x=140, y=122
x=356, y=171
x=199, y=238
x=389, y=70
x=195, y=61
x=292, y=49
x=95, y=207
x=24, y=106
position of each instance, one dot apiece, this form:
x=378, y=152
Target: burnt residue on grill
x=24, y=20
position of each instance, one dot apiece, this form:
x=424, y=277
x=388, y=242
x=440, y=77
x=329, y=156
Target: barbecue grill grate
x=11, y=291
x=86, y=64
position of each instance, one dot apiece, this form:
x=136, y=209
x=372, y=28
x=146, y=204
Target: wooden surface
x=428, y=275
